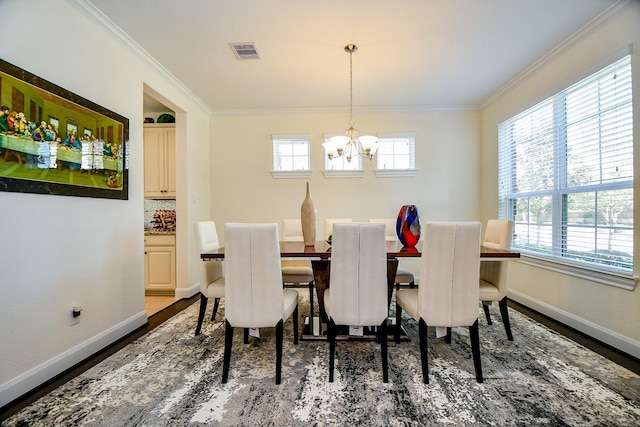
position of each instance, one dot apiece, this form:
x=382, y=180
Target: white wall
x=60, y=251
x=445, y=187
x=608, y=313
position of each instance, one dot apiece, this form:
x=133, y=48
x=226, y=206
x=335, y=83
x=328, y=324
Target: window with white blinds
x=291, y=153
x=396, y=152
x=341, y=163
x=566, y=173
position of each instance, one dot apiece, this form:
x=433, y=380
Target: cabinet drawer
x=160, y=240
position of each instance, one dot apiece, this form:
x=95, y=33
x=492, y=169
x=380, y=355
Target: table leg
x=321, y=278
x=392, y=269
x=321, y=270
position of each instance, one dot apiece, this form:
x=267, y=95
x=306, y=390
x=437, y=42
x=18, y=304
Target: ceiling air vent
x=245, y=50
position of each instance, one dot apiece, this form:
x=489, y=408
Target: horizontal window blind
x=566, y=173
x=341, y=163
x=396, y=152
x=291, y=153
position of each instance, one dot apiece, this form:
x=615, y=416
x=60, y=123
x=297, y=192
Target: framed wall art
x=53, y=141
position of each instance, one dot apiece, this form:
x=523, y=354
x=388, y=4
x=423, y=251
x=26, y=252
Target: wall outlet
x=75, y=315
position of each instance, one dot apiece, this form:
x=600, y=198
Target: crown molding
x=595, y=24
x=109, y=27
x=343, y=110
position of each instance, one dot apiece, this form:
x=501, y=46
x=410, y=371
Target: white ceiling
x=412, y=53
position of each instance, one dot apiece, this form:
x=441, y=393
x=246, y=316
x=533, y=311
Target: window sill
x=342, y=174
x=395, y=173
x=306, y=174
x=618, y=280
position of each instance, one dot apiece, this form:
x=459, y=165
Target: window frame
x=340, y=172
x=397, y=172
x=283, y=139
x=559, y=257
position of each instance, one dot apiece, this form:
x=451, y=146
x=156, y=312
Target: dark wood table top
x=323, y=250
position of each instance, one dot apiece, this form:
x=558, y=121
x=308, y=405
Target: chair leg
x=246, y=335
x=485, y=306
x=216, y=303
x=279, y=339
x=332, y=347
x=424, y=356
x=228, y=342
x=447, y=337
x=295, y=325
x=396, y=334
x=203, y=309
x=504, y=311
x=311, y=286
x=475, y=349
x=383, y=350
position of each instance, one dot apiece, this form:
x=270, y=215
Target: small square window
x=291, y=153
x=341, y=163
x=396, y=152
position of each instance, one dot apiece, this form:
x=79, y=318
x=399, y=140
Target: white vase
x=308, y=219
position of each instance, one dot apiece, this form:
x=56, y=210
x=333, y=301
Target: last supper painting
x=53, y=141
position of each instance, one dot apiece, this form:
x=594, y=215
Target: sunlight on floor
x=153, y=304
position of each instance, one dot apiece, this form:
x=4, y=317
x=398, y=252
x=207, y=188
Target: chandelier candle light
x=349, y=144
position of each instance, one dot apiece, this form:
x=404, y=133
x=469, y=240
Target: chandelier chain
x=348, y=145
x=351, y=86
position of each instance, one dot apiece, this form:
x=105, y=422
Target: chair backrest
x=390, y=227
x=449, y=273
x=358, y=274
x=498, y=234
x=253, y=275
x=206, y=241
x=292, y=230
x=328, y=225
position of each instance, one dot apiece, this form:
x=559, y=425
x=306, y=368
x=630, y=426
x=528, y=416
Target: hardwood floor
x=153, y=304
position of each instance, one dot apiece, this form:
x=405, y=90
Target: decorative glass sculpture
x=408, y=226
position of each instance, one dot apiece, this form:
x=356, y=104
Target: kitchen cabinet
x=160, y=264
x=159, y=161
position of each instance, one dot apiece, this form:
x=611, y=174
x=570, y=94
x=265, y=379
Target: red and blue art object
x=408, y=226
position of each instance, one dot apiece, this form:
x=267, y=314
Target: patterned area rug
x=169, y=377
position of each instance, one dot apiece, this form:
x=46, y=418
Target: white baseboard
x=600, y=333
x=183, y=293
x=31, y=379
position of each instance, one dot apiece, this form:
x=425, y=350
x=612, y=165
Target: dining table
x=320, y=256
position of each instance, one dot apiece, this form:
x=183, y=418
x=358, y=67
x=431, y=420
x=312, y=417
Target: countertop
x=151, y=232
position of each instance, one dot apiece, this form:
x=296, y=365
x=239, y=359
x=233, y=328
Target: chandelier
x=349, y=144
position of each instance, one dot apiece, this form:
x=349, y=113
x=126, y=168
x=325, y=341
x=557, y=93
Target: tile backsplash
x=150, y=207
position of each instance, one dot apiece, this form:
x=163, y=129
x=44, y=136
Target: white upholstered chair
x=493, y=274
x=402, y=274
x=448, y=291
x=296, y=272
x=211, y=273
x=357, y=295
x=254, y=296
x=328, y=225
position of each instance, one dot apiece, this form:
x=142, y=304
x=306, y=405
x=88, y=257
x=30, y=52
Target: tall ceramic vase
x=308, y=219
x=408, y=226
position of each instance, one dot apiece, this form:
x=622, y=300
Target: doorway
x=159, y=236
